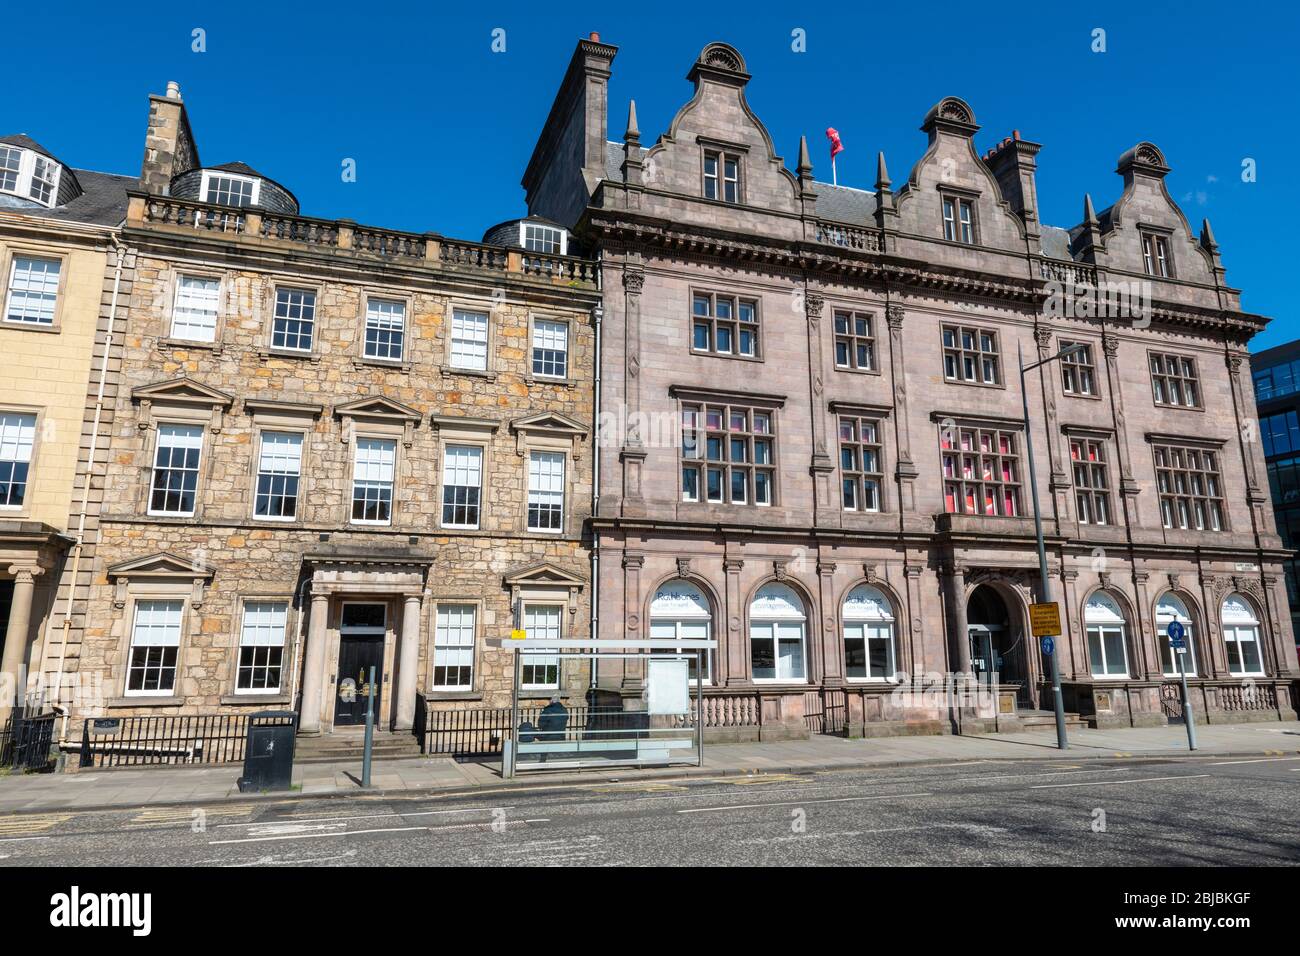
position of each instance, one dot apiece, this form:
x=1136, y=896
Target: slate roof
x=1055, y=242
x=102, y=201
x=24, y=141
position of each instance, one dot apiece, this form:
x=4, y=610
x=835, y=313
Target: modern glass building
x=1276, y=372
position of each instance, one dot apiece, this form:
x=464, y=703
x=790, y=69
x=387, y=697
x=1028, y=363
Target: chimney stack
x=169, y=147
x=1013, y=163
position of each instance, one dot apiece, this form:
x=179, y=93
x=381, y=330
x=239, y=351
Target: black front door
x=356, y=656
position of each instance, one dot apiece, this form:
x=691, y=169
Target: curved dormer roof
x=32, y=176
x=534, y=233
x=234, y=184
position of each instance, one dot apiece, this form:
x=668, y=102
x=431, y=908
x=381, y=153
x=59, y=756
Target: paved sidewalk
x=191, y=785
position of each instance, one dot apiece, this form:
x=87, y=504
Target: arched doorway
x=997, y=642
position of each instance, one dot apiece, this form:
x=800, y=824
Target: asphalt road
x=1134, y=812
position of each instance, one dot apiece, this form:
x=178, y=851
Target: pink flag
x=834, y=136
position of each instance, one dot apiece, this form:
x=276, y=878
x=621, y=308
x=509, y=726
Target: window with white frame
x=1091, y=480
x=29, y=175
x=261, y=647
x=971, y=355
x=385, y=329
x=462, y=481
x=11, y=161
x=279, y=468
x=294, y=324
x=776, y=634
x=453, y=647
x=550, y=348
x=868, y=635
x=194, y=311
x=536, y=237
x=1187, y=481
x=1174, y=380
x=981, y=471
x=17, y=437
x=546, y=491
x=860, y=469
x=1155, y=256
x=176, y=470
x=372, y=480
x=469, y=340
x=1078, y=374
x=1171, y=608
x=958, y=220
x=226, y=190
x=731, y=449
x=1241, y=637
x=33, y=290
x=721, y=175
x=543, y=622
x=45, y=180
x=680, y=611
x=724, y=325
x=155, y=643
x=855, y=345
x=1107, y=636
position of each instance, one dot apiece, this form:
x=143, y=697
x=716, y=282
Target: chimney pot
x=173, y=90
x=594, y=37
x=1015, y=134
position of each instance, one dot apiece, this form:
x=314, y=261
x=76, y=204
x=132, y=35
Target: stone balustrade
x=848, y=237
x=346, y=236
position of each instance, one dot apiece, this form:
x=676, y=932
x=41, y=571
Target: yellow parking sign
x=1045, y=619
x=518, y=634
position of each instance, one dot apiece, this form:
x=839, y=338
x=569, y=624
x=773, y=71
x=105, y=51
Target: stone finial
x=1089, y=214
x=633, y=134
x=1207, y=237
x=882, y=173
x=805, y=163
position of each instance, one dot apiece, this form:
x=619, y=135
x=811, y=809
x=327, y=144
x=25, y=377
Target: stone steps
x=1045, y=720
x=350, y=745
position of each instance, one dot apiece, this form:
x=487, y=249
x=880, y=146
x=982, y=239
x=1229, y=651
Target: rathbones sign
x=1105, y=300
x=77, y=909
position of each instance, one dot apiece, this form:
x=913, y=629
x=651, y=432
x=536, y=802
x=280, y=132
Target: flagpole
x=835, y=180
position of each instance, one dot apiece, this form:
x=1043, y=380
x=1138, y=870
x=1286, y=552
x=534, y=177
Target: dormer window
x=224, y=189
x=1155, y=256
x=539, y=238
x=721, y=176
x=958, y=220
x=29, y=175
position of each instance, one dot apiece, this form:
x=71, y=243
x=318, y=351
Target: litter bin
x=268, y=753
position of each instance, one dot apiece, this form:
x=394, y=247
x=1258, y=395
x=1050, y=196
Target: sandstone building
x=62, y=272
x=825, y=460
x=332, y=447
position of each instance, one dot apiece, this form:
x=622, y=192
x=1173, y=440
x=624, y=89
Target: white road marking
x=1228, y=763
x=800, y=803
x=368, y=816
x=310, y=836
x=24, y=839
x=1111, y=783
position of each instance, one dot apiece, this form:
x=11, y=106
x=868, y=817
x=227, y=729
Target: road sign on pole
x=1178, y=643
x=1049, y=645
x=1045, y=619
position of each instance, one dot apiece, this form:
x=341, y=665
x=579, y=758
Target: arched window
x=680, y=610
x=1170, y=607
x=1107, y=637
x=868, y=635
x=1241, y=634
x=776, y=634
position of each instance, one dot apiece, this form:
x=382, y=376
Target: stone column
x=313, y=671
x=906, y=471
x=1128, y=486
x=959, y=636
x=735, y=643
x=633, y=669
x=832, y=656
x=1148, y=642
x=632, y=453
x=822, y=466
x=1059, y=478
x=20, y=624
x=408, y=664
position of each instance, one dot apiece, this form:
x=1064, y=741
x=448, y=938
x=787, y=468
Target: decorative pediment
x=160, y=567
x=542, y=573
x=378, y=408
x=180, y=393
x=549, y=425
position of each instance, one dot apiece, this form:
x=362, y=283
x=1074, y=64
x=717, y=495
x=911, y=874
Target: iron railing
x=139, y=741
x=27, y=739
x=481, y=731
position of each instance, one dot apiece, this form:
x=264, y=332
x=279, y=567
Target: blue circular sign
x=1049, y=645
x=1176, y=633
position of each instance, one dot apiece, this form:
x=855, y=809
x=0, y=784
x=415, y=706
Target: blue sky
x=441, y=127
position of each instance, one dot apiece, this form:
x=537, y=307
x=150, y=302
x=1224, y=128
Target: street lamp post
x=1043, y=584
